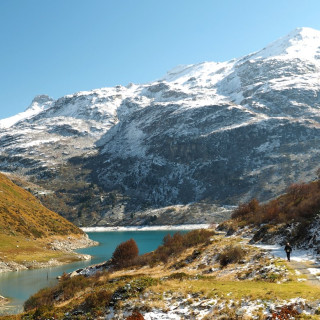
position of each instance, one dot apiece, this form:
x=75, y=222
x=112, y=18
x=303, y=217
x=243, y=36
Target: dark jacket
x=287, y=248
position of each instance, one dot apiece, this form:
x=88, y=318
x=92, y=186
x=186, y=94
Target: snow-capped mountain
x=222, y=132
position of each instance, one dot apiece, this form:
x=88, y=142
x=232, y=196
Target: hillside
x=218, y=133
x=200, y=275
x=292, y=217
x=30, y=234
x=23, y=214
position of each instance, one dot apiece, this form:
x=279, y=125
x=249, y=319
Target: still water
x=20, y=285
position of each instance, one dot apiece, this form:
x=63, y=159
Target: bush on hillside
x=124, y=254
x=301, y=203
x=231, y=254
x=97, y=300
x=136, y=315
x=246, y=208
x=174, y=245
x=64, y=290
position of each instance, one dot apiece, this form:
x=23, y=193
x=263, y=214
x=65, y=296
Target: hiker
x=288, y=250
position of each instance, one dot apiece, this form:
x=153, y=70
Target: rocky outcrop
x=72, y=243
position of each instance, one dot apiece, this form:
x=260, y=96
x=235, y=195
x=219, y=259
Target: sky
x=60, y=47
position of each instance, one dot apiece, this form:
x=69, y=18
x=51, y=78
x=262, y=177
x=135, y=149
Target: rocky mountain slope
x=31, y=235
x=214, y=132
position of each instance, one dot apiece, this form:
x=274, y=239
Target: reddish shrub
x=270, y=211
x=301, y=202
x=136, y=315
x=299, y=189
x=173, y=245
x=284, y=313
x=246, y=208
x=125, y=253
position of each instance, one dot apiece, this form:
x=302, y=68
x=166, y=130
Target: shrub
x=41, y=313
x=124, y=254
x=136, y=315
x=246, y=208
x=301, y=202
x=97, y=299
x=285, y=312
x=178, y=276
x=231, y=254
x=42, y=298
x=173, y=245
x=64, y=290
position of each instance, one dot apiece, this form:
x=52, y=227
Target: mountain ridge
x=215, y=132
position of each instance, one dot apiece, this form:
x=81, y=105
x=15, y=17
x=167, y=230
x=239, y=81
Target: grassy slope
x=26, y=225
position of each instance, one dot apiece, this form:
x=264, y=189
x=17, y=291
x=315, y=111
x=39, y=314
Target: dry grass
x=22, y=214
x=252, y=290
x=26, y=227
x=22, y=250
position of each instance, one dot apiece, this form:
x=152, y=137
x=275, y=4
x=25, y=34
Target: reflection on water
x=20, y=285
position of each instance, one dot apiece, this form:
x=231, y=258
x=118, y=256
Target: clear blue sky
x=60, y=47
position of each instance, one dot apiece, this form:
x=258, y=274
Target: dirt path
x=303, y=261
x=308, y=269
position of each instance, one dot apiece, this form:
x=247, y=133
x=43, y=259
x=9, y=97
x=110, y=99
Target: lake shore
x=147, y=228
x=64, y=245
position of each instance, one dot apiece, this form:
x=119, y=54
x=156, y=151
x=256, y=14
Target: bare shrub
x=97, y=300
x=173, y=245
x=300, y=203
x=246, y=208
x=231, y=254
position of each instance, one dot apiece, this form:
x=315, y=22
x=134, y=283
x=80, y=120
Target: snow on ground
x=296, y=255
x=315, y=271
x=147, y=228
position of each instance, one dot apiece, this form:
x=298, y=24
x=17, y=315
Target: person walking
x=288, y=250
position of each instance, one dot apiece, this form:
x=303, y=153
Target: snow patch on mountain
x=301, y=43
x=39, y=104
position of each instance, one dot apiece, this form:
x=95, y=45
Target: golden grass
x=22, y=250
x=22, y=214
x=26, y=227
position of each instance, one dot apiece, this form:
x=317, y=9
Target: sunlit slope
x=22, y=214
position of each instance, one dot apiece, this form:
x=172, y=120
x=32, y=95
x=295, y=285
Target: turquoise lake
x=19, y=286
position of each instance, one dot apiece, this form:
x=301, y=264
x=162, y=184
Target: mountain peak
x=301, y=43
x=304, y=32
x=40, y=101
x=38, y=104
